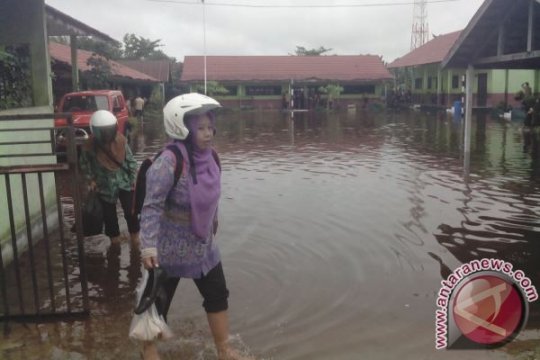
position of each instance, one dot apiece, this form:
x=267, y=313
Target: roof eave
x=60, y=24
x=449, y=61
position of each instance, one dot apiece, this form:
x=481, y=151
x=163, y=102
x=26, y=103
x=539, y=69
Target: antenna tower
x=420, y=27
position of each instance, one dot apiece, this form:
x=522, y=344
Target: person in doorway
x=179, y=219
x=110, y=169
x=527, y=91
x=139, y=107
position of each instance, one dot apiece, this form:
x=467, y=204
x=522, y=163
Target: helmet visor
x=105, y=134
x=203, y=109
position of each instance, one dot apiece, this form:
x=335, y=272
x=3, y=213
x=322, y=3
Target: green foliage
x=302, y=51
x=15, y=78
x=140, y=48
x=332, y=91
x=105, y=49
x=99, y=74
x=212, y=88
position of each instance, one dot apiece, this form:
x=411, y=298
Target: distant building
x=166, y=71
x=263, y=81
x=123, y=77
x=420, y=72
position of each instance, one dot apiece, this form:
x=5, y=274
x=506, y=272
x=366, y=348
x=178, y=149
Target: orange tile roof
x=433, y=51
x=62, y=53
x=285, y=68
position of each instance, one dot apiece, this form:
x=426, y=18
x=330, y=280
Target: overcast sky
x=380, y=30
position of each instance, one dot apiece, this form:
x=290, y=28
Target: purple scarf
x=205, y=194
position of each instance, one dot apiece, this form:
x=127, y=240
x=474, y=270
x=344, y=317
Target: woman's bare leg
x=219, y=326
x=150, y=351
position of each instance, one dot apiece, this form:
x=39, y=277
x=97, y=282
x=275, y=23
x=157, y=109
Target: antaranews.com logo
x=482, y=304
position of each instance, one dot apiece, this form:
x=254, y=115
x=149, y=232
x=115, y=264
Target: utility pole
x=204, y=41
x=420, y=27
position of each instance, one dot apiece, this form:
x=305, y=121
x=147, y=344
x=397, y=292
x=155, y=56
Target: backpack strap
x=179, y=161
x=216, y=158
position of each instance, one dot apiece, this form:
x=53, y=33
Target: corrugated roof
x=61, y=24
x=285, y=68
x=433, y=51
x=478, y=44
x=62, y=53
x=158, y=69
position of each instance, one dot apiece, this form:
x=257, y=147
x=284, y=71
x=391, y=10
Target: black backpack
x=140, y=183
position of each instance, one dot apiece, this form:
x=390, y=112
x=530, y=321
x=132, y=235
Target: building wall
x=496, y=84
x=263, y=102
x=13, y=13
x=31, y=13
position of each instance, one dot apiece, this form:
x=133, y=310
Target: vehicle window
x=102, y=103
x=116, y=102
x=85, y=103
x=121, y=101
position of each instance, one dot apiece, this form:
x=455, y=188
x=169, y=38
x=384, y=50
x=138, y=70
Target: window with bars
x=263, y=90
x=359, y=89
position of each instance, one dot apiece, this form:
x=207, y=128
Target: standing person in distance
x=139, y=107
x=179, y=222
x=110, y=169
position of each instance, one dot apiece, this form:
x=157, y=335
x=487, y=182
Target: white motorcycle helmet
x=104, y=126
x=175, y=111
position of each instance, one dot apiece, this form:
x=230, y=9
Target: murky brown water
x=335, y=233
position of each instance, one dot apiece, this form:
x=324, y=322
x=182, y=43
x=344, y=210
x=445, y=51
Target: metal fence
x=42, y=268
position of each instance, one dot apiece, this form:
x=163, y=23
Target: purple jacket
x=166, y=222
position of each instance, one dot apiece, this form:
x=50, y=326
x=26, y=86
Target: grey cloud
x=382, y=31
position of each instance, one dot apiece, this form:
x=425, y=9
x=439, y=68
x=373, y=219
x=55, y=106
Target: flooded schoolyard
x=335, y=232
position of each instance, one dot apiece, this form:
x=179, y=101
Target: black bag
x=140, y=182
x=92, y=215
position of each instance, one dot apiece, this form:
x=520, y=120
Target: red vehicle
x=82, y=105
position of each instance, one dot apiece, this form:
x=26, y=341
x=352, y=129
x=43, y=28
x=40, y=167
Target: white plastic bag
x=149, y=325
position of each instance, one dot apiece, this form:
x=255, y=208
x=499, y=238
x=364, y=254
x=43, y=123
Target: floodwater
x=335, y=232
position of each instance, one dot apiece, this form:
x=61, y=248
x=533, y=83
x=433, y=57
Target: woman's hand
x=150, y=262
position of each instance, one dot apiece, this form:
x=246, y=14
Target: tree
x=302, y=51
x=140, y=48
x=15, y=77
x=100, y=73
x=106, y=49
x=212, y=88
x=332, y=91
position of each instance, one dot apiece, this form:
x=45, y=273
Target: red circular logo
x=488, y=309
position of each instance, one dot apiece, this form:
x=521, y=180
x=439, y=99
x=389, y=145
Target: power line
x=180, y=2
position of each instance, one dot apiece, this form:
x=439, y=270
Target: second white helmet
x=175, y=111
x=104, y=126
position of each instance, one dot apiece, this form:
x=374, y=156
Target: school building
x=265, y=82
x=420, y=73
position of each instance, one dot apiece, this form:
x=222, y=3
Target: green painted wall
x=515, y=79
x=496, y=81
x=380, y=89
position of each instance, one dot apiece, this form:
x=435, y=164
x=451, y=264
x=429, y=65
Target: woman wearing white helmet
x=179, y=220
x=109, y=167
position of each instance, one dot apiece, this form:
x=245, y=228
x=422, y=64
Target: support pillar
x=468, y=111
x=74, y=67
